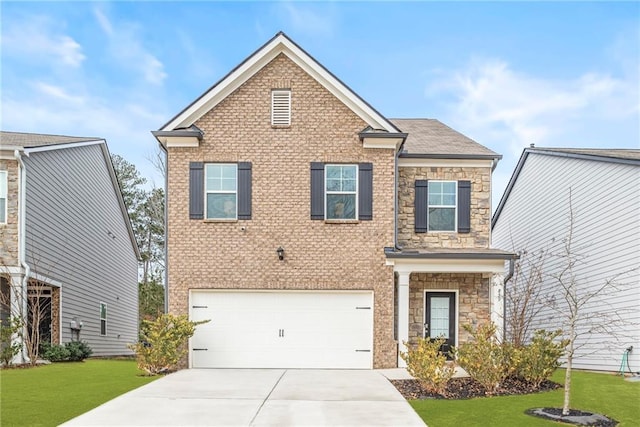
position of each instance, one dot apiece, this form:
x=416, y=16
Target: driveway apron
x=258, y=397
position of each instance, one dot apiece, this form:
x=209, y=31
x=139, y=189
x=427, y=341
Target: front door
x=440, y=318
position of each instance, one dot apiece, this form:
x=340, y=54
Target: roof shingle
x=431, y=137
x=30, y=140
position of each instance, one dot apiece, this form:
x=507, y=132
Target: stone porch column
x=403, y=315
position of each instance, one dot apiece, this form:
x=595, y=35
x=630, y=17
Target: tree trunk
x=567, y=376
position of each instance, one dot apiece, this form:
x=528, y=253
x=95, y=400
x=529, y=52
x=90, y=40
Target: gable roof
x=625, y=156
x=27, y=140
x=35, y=142
x=279, y=44
x=430, y=138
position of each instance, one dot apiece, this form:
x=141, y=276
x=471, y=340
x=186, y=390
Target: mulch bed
x=466, y=388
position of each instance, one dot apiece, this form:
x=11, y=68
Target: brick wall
x=318, y=255
x=473, y=299
x=480, y=208
x=9, y=231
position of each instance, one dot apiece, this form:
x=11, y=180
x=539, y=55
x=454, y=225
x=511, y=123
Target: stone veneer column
x=403, y=315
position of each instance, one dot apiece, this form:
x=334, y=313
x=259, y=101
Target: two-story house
x=314, y=232
x=68, y=255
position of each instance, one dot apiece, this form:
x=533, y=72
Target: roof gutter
x=22, y=181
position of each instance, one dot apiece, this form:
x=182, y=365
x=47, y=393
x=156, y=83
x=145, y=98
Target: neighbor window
x=103, y=318
x=441, y=210
x=3, y=197
x=221, y=191
x=341, y=189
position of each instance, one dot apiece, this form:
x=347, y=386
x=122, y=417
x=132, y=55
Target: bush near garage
x=427, y=364
x=163, y=342
x=485, y=359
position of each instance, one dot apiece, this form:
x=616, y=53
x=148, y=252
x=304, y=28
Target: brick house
x=297, y=221
x=68, y=253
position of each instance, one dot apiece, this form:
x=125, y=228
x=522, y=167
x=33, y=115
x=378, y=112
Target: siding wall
x=606, y=207
x=71, y=209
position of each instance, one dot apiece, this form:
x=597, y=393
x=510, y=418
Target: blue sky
x=505, y=74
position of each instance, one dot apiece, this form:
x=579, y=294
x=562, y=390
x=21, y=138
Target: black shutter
x=196, y=190
x=317, y=190
x=464, y=206
x=420, y=205
x=244, y=190
x=365, y=191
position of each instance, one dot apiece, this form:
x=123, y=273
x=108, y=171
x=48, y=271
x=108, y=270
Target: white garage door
x=275, y=329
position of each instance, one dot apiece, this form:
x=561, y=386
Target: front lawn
x=606, y=394
x=50, y=395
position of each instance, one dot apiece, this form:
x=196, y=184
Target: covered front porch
x=439, y=291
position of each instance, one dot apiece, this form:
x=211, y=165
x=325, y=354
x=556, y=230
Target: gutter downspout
x=512, y=264
x=396, y=246
x=166, y=229
x=22, y=175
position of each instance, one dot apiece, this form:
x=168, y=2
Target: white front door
x=282, y=329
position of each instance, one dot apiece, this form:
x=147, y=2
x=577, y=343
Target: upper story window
x=442, y=206
x=341, y=191
x=221, y=191
x=441, y=211
x=281, y=107
x=3, y=197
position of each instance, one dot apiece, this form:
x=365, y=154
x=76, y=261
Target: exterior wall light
x=280, y=252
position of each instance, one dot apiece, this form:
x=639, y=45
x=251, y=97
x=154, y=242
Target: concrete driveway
x=258, y=397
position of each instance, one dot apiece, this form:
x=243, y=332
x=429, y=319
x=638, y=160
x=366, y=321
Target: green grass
x=50, y=395
x=606, y=394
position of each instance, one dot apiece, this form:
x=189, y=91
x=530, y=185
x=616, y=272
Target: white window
x=221, y=190
x=341, y=191
x=103, y=318
x=280, y=107
x=441, y=209
x=3, y=197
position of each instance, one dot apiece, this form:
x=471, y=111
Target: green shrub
x=428, y=365
x=73, y=351
x=484, y=359
x=163, y=342
x=538, y=360
x=78, y=350
x=9, y=349
x=55, y=353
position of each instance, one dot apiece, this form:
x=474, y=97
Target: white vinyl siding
x=3, y=197
x=221, y=186
x=606, y=207
x=281, y=107
x=441, y=208
x=341, y=192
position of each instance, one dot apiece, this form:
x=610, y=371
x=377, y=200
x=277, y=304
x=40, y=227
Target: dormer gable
x=174, y=132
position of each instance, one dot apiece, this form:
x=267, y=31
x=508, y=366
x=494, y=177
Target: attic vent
x=281, y=107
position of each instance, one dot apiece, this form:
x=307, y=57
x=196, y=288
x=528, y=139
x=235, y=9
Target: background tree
x=146, y=213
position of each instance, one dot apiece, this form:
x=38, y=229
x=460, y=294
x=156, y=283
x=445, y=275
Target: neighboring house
x=533, y=215
x=66, y=239
x=314, y=232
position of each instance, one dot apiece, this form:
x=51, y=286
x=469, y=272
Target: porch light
x=280, y=252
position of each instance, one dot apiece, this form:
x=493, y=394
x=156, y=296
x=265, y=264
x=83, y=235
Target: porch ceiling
x=448, y=260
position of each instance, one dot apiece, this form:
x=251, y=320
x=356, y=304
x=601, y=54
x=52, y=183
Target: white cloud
x=126, y=47
x=507, y=109
x=306, y=18
x=39, y=39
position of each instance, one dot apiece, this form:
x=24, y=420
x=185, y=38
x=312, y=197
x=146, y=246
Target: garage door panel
x=283, y=329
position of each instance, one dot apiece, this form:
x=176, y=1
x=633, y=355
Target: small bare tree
x=523, y=298
x=574, y=304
